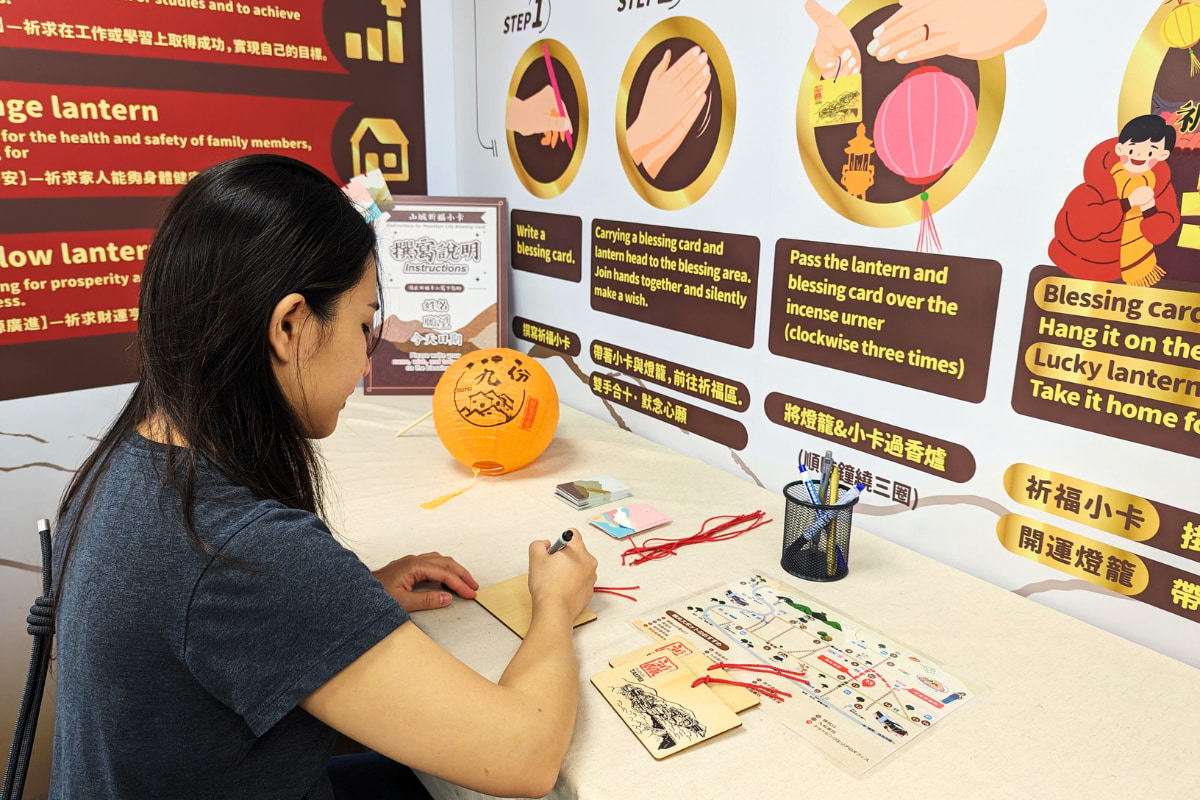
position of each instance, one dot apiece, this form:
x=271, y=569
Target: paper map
x=866, y=695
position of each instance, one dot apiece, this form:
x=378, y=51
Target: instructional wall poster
x=108, y=107
x=955, y=242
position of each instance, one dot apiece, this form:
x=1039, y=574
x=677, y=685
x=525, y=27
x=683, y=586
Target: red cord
x=668, y=547
x=613, y=590
x=790, y=674
x=769, y=691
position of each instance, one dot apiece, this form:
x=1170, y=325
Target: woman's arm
x=412, y=701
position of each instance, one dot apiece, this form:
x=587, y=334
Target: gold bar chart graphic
x=354, y=45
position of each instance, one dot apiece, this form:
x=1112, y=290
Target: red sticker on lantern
x=530, y=416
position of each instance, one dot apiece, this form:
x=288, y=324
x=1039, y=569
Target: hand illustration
x=1142, y=197
x=536, y=114
x=974, y=29
x=836, y=52
x=552, y=136
x=675, y=96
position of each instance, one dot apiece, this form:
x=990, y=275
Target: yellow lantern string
x=432, y=504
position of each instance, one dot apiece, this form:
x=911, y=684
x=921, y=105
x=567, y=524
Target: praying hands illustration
x=675, y=95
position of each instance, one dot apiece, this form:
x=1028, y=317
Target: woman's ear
x=289, y=316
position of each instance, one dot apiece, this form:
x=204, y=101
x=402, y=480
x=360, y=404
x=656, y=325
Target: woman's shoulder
x=259, y=524
x=137, y=485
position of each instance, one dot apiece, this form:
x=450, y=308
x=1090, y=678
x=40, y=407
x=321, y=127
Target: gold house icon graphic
x=378, y=143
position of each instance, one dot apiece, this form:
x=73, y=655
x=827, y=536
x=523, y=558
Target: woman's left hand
x=401, y=577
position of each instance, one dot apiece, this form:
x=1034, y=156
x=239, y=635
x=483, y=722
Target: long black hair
x=237, y=239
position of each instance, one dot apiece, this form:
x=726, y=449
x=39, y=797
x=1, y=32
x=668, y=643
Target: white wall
x=1005, y=213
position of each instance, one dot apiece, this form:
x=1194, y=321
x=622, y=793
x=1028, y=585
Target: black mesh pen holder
x=816, y=536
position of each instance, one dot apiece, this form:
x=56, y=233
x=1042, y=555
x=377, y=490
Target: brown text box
x=1078, y=339
x=915, y=319
x=558, y=339
x=702, y=283
x=547, y=244
x=883, y=440
x=691, y=418
x=688, y=380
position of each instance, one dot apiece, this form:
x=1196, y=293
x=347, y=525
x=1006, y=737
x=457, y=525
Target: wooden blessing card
x=656, y=699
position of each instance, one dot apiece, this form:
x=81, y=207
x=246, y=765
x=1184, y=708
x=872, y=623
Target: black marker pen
x=560, y=542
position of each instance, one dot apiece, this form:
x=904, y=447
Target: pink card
x=629, y=519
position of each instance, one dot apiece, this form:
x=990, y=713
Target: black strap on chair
x=41, y=627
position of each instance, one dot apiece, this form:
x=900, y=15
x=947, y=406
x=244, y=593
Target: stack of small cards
x=651, y=690
x=592, y=492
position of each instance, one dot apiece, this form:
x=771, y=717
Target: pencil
x=562, y=109
x=831, y=530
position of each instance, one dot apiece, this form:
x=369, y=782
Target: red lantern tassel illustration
x=927, y=235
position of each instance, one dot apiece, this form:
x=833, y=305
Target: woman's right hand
x=565, y=577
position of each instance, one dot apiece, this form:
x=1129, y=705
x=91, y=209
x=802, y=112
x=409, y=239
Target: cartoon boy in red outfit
x=1110, y=223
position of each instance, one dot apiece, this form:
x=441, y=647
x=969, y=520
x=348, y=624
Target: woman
x=212, y=634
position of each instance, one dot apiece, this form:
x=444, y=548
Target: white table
x=1070, y=711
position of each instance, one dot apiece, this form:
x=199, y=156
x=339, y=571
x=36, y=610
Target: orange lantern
x=495, y=410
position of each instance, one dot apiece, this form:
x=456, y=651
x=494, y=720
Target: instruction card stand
x=444, y=282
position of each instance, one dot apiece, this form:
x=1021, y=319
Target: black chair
x=41, y=627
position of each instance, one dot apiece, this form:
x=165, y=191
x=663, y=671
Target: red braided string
x=769, y=691
x=613, y=590
x=661, y=548
x=790, y=674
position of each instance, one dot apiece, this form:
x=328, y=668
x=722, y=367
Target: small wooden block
x=656, y=699
x=738, y=698
x=509, y=602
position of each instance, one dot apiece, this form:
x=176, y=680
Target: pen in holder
x=816, y=536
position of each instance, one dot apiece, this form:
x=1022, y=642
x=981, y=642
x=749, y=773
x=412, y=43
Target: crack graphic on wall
x=45, y=464
x=1049, y=585
x=25, y=436
x=935, y=500
x=1066, y=585
x=745, y=468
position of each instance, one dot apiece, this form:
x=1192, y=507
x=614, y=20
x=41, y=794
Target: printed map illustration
x=863, y=696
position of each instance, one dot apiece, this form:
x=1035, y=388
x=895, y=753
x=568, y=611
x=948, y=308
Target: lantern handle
x=416, y=422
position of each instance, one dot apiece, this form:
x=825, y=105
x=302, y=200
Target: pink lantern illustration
x=922, y=127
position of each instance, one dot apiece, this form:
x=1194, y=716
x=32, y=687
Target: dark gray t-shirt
x=179, y=674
